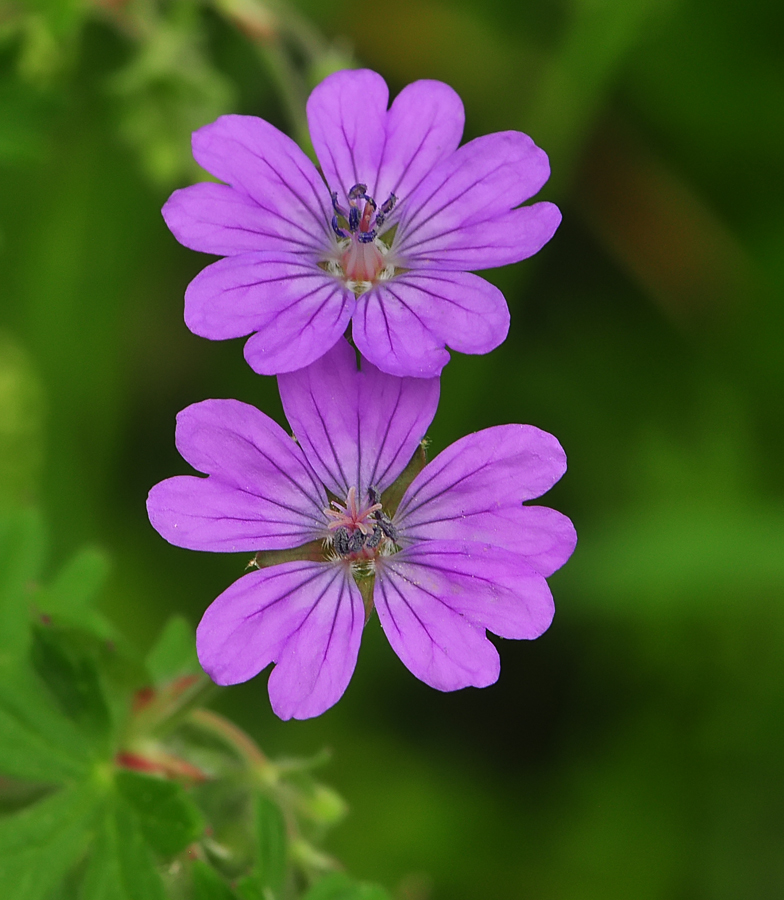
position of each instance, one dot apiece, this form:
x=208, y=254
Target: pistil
x=362, y=260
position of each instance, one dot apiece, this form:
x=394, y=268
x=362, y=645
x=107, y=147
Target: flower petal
x=435, y=641
x=305, y=616
x=258, y=160
x=490, y=586
x=459, y=309
x=493, y=469
x=204, y=514
x=462, y=214
x=216, y=218
x=423, y=126
x=392, y=334
x=544, y=537
x=357, y=428
x=297, y=309
x=261, y=493
x=346, y=117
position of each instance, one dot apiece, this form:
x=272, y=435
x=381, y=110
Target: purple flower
x=458, y=554
x=384, y=244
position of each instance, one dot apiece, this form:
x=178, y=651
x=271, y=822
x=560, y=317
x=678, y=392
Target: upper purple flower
x=384, y=244
x=458, y=554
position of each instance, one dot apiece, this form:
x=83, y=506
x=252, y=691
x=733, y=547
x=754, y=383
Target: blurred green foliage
x=636, y=749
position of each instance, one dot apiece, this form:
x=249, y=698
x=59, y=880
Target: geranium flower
x=458, y=554
x=383, y=240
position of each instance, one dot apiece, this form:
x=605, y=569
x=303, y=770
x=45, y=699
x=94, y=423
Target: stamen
x=337, y=229
x=361, y=260
x=337, y=207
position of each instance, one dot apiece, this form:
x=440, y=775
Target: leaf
x=22, y=549
x=81, y=579
x=339, y=886
x=37, y=742
x=168, y=818
x=40, y=844
x=269, y=872
x=208, y=884
x=120, y=866
x=71, y=674
x=174, y=653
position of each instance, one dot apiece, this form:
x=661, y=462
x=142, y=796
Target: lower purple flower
x=457, y=554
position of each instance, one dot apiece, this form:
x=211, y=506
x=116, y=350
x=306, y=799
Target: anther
x=359, y=190
x=337, y=207
x=341, y=233
x=388, y=205
x=353, y=219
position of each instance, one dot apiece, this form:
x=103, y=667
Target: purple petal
x=346, y=117
x=543, y=537
x=490, y=470
x=216, y=218
x=261, y=493
x=391, y=334
x=305, y=616
x=462, y=215
x=204, y=514
x=456, y=308
x=424, y=125
x=357, y=428
x=297, y=309
x=490, y=586
x=258, y=160
x=433, y=639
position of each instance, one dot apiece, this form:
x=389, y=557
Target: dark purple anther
x=337, y=207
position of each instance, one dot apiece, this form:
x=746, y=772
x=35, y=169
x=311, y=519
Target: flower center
x=360, y=532
x=362, y=254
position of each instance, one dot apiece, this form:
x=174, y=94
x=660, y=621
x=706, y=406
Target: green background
x=637, y=748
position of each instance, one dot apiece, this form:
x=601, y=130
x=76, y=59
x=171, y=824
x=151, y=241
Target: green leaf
x=79, y=582
x=40, y=844
x=120, y=866
x=269, y=872
x=339, y=886
x=37, y=742
x=174, y=653
x=22, y=549
x=168, y=818
x=208, y=884
x=71, y=674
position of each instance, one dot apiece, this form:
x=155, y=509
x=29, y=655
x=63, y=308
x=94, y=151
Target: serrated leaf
x=208, y=884
x=174, y=653
x=22, y=550
x=269, y=871
x=167, y=816
x=339, y=886
x=37, y=742
x=120, y=866
x=40, y=844
x=71, y=675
